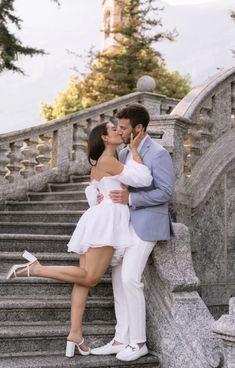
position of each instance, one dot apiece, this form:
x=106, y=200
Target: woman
x=102, y=233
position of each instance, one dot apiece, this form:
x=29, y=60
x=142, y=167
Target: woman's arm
x=91, y=192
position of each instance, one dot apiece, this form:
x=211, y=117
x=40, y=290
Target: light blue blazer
x=149, y=206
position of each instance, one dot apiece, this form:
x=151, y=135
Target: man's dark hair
x=136, y=113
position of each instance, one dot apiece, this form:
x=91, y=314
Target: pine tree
x=11, y=47
x=115, y=73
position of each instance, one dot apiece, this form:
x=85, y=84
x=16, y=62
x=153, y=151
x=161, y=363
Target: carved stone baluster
x=192, y=149
x=44, y=157
x=206, y=123
x=91, y=124
x=233, y=105
x=4, y=160
x=30, y=153
x=80, y=163
x=14, y=166
x=224, y=328
x=187, y=160
x=102, y=118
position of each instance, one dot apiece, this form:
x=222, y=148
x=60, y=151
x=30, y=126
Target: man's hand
x=120, y=196
x=99, y=197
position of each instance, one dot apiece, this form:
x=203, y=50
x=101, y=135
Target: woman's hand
x=134, y=142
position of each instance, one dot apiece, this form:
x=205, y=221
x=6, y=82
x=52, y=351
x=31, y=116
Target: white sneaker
x=108, y=349
x=132, y=352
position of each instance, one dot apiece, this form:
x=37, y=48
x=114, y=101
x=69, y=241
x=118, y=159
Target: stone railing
x=31, y=157
x=178, y=321
x=211, y=110
x=200, y=134
x=224, y=328
x=198, y=120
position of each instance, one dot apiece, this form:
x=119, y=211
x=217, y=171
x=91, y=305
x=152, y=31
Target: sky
x=187, y=2
x=76, y=25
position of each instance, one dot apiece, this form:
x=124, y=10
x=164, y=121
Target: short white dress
x=108, y=223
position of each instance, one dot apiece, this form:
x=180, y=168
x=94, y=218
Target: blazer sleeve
x=163, y=182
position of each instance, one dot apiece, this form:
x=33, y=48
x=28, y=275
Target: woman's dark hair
x=136, y=113
x=95, y=142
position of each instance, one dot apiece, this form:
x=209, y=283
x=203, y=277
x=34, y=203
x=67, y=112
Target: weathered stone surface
x=178, y=321
x=146, y=83
x=200, y=136
x=225, y=330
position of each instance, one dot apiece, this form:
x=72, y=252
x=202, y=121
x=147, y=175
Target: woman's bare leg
x=79, y=298
x=97, y=262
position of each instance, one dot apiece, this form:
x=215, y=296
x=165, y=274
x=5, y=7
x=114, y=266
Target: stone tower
x=111, y=16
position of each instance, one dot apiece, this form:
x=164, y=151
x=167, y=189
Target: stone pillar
x=62, y=143
x=44, y=157
x=29, y=152
x=171, y=132
x=178, y=321
x=14, y=166
x=80, y=164
x=224, y=328
x=147, y=84
x=4, y=160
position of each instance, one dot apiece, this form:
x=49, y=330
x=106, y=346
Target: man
x=150, y=222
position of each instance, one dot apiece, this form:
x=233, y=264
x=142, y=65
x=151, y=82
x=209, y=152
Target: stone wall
x=200, y=136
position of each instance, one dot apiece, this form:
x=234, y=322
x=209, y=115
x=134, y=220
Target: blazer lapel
x=145, y=147
x=123, y=154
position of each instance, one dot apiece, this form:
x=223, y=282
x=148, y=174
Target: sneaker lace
x=132, y=347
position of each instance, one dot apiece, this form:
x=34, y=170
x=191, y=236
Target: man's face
x=125, y=129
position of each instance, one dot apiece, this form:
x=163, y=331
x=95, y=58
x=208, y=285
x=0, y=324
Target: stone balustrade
x=54, y=150
x=200, y=134
x=60, y=145
x=210, y=108
x=224, y=328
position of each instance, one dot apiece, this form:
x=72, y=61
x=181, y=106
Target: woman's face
x=113, y=136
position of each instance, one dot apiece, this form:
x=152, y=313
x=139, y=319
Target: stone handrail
x=39, y=153
x=198, y=121
x=210, y=108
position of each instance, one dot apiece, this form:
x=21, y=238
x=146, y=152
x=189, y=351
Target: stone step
x=52, y=310
x=57, y=360
x=68, y=187
x=56, y=196
x=48, y=337
x=40, y=216
x=33, y=243
x=43, y=288
x=79, y=179
x=45, y=206
x=37, y=228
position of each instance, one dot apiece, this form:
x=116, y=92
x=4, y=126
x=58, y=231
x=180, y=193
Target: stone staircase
x=35, y=312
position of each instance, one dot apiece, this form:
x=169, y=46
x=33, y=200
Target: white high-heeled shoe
x=31, y=258
x=70, y=349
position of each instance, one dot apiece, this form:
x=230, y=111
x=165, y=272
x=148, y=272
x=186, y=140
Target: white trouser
x=128, y=292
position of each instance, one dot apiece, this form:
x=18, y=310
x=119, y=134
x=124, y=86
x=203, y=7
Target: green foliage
x=66, y=102
x=11, y=47
x=114, y=73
